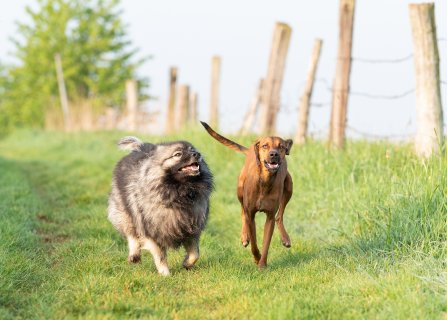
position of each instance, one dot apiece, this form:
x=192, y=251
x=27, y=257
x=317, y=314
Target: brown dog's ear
x=256, y=148
x=289, y=144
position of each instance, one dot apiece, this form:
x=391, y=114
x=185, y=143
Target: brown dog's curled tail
x=226, y=142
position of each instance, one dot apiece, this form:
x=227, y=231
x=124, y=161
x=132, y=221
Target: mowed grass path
x=368, y=229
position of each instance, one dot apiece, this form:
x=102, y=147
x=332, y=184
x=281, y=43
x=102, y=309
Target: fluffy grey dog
x=160, y=199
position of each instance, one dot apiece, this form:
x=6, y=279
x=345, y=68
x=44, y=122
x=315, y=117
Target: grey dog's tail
x=130, y=144
x=226, y=142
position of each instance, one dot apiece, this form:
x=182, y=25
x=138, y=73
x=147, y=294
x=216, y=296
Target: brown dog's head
x=271, y=152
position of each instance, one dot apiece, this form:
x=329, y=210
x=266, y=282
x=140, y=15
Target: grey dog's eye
x=178, y=154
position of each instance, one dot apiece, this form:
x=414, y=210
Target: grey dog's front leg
x=159, y=254
x=192, y=252
x=134, y=249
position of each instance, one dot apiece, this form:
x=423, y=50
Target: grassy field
x=368, y=229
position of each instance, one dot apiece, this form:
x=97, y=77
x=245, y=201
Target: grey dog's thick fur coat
x=160, y=199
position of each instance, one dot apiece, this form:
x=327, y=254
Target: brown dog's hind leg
x=250, y=222
x=287, y=194
x=245, y=240
x=268, y=232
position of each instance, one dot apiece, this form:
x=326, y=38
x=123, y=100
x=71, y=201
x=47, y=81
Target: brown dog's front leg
x=268, y=232
x=250, y=221
x=287, y=194
x=245, y=240
x=285, y=239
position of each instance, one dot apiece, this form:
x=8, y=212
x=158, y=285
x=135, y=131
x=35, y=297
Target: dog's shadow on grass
x=292, y=258
x=281, y=260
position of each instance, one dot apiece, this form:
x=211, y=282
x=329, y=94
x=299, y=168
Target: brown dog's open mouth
x=271, y=166
x=193, y=169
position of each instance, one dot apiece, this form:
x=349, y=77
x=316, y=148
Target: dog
x=265, y=185
x=160, y=199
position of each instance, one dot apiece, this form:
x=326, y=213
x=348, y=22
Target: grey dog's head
x=179, y=159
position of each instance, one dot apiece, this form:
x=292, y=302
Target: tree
x=97, y=58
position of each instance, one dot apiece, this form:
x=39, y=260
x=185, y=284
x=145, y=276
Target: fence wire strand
x=369, y=95
x=378, y=136
x=383, y=97
x=377, y=61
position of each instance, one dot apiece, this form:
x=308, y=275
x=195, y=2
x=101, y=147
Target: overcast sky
x=186, y=34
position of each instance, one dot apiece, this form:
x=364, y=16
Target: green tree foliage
x=97, y=58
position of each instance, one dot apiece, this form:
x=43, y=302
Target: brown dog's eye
x=265, y=146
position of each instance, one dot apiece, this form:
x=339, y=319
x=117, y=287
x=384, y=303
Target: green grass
x=368, y=229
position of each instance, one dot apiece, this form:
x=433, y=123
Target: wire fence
x=368, y=95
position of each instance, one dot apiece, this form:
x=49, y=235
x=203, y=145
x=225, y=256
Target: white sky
x=187, y=33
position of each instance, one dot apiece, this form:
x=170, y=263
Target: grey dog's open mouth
x=271, y=165
x=192, y=168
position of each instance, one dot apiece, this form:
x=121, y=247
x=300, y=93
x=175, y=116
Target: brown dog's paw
x=256, y=258
x=134, y=259
x=286, y=244
x=262, y=265
x=244, y=239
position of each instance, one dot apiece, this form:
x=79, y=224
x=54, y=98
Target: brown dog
x=265, y=185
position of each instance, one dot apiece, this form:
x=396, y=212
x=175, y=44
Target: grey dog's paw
x=134, y=258
x=187, y=266
x=190, y=261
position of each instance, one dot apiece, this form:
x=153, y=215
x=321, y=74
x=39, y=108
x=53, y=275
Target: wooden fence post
x=429, y=127
x=215, y=80
x=62, y=92
x=183, y=105
x=273, y=80
x=193, y=107
x=132, y=104
x=170, y=115
x=340, y=90
x=111, y=118
x=301, y=133
x=252, y=110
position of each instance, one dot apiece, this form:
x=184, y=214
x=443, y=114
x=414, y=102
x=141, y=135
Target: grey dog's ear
x=130, y=144
x=289, y=144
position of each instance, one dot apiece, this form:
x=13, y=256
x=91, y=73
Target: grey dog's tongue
x=192, y=167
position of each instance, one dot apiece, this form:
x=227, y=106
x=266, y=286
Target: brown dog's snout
x=274, y=154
